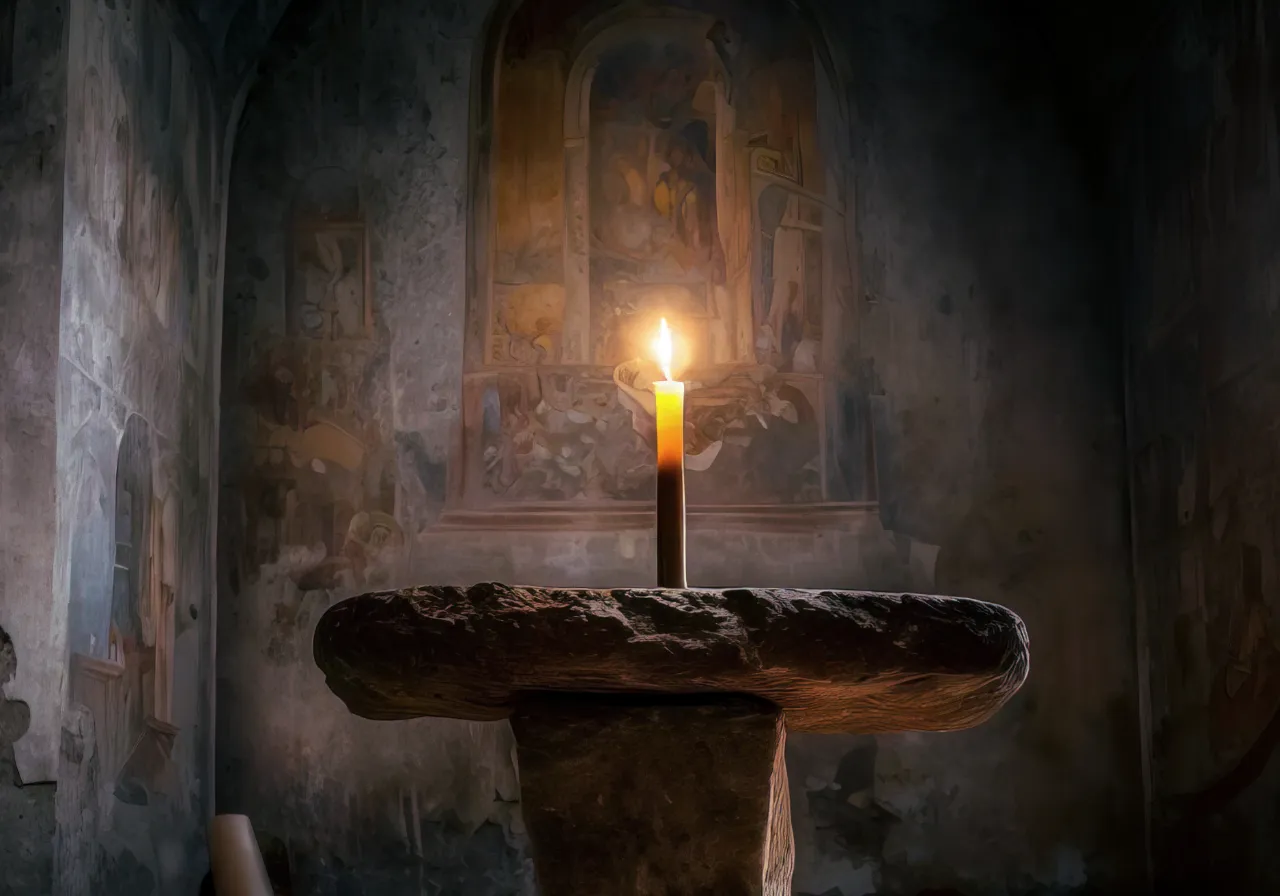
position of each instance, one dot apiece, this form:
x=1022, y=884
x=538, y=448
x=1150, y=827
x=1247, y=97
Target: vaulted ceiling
x=236, y=32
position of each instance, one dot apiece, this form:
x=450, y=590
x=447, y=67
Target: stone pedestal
x=650, y=722
x=644, y=798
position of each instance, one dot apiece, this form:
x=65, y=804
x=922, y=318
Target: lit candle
x=669, y=396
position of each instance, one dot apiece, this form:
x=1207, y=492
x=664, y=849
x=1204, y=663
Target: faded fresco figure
x=323, y=472
x=544, y=443
x=790, y=332
x=329, y=291
x=676, y=199
x=527, y=324
x=654, y=191
x=692, y=190
x=140, y=635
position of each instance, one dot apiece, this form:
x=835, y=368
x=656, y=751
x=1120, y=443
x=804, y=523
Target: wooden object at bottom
x=236, y=861
x=654, y=797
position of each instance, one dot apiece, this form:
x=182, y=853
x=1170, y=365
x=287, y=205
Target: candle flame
x=662, y=348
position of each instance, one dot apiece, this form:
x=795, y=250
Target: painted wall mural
x=672, y=168
x=654, y=241
x=140, y=634
x=321, y=454
x=329, y=295
x=136, y=411
x=322, y=465
x=125, y=677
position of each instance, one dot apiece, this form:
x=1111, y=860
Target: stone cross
x=650, y=724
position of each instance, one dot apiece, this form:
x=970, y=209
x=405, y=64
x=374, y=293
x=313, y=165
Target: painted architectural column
x=577, y=251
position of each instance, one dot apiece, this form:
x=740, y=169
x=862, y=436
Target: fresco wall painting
x=329, y=289
x=128, y=681
x=322, y=453
x=668, y=171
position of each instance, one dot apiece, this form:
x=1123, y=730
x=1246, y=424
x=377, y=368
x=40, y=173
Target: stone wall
x=1198, y=160
x=982, y=344
x=136, y=448
x=32, y=130
x=990, y=339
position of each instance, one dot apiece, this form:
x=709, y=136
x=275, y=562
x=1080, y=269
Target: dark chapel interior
x=309, y=300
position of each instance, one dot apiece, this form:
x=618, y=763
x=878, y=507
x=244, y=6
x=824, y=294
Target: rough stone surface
x=835, y=661
x=655, y=799
x=77, y=854
x=33, y=121
x=26, y=810
x=27, y=839
x=1196, y=166
x=32, y=129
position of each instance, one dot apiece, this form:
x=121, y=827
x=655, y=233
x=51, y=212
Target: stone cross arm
x=833, y=661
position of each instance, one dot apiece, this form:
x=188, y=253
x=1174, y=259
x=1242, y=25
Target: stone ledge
x=834, y=661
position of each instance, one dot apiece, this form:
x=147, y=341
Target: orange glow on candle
x=669, y=405
x=670, y=418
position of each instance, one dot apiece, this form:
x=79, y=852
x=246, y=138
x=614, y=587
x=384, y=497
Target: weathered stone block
x=655, y=798
x=834, y=661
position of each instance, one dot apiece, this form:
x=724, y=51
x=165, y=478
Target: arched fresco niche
x=128, y=685
x=638, y=162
